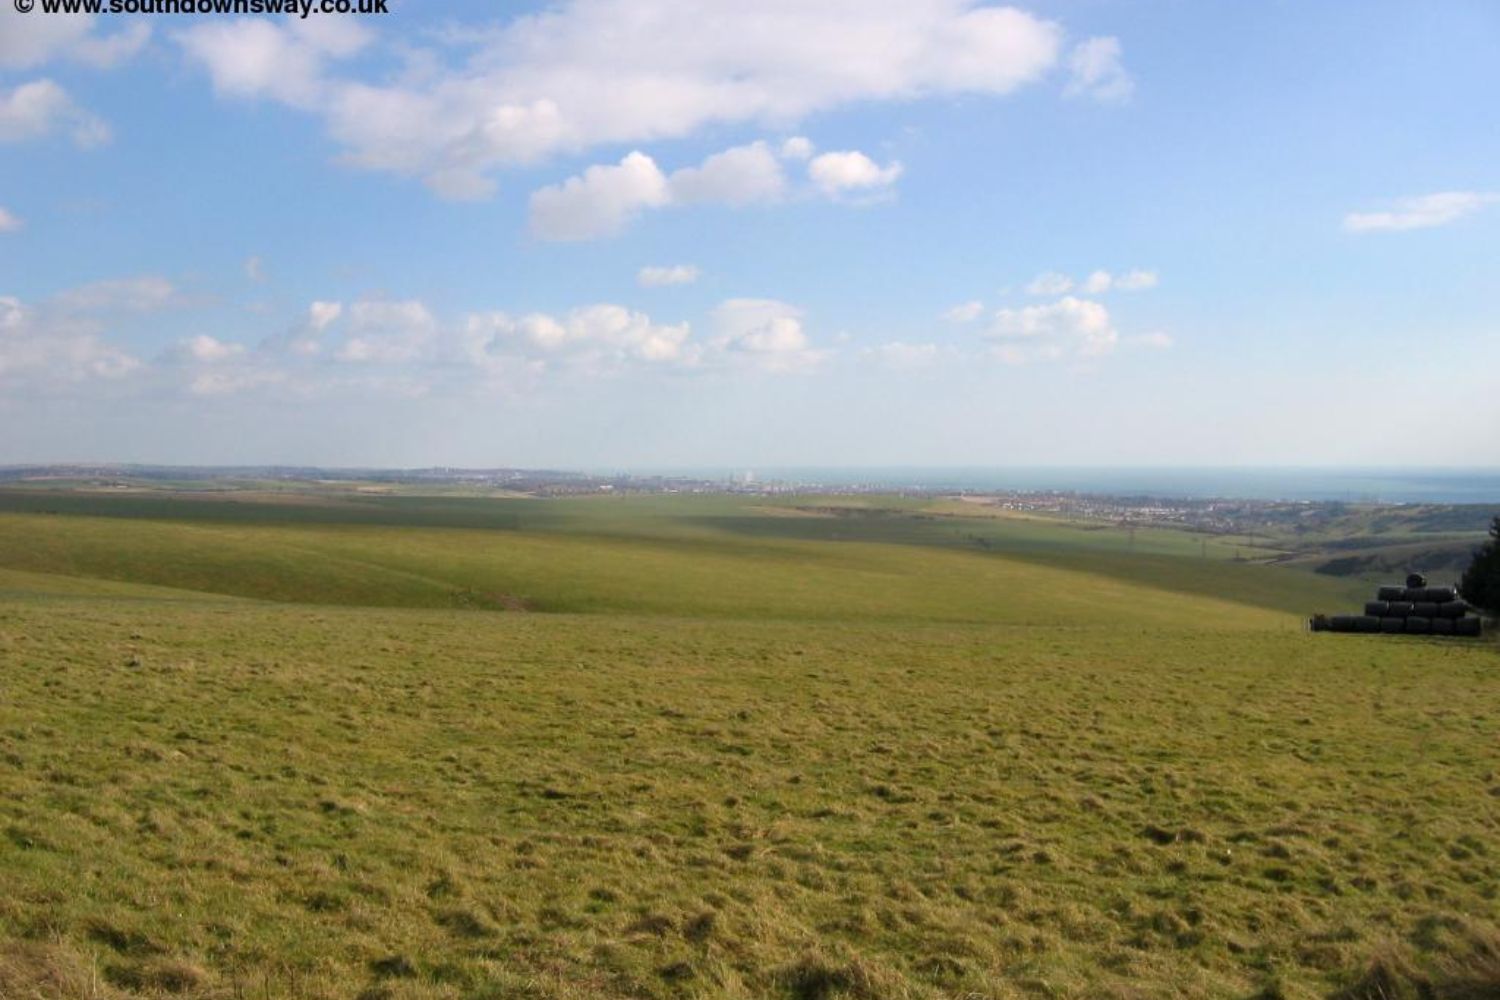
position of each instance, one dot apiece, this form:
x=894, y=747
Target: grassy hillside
x=719, y=555
x=728, y=760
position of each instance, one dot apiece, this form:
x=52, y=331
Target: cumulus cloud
x=657, y=277
x=1097, y=71
x=217, y=382
x=1422, y=212
x=44, y=345
x=1096, y=283
x=600, y=202
x=798, y=147
x=40, y=108
x=599, y=339
x=388, y=332
x=851, y=172
x=964, y=312
x=756, y=334
x=1070, y=328
x=30, y=41
x=9, y=221
x=305, y=339
x=405, y=339
x=1156, y=340
x=321, y=315
x=390, y=347
x=604, y=199
x=254, y=57
x=763, y=334
x=743, y=175
x=586, y=73
x=1050, y=283
x=207, y=350
x=903, y=356
x=1136, y=281
x=147, y=293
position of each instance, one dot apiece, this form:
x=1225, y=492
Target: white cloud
x=209, y=350
x=598, y=338
x=148, y=293
x=1050, y=283
x=1422, y=212
x=255, y=269
x=1070, y=328
x=30, y=41
x=388, y=333
x=306, y=338
x=224, y=383
x=41, y=345
x=964, y=312
x=1098, y=72
x=1136, y=281
x=1157, y=340
x=1097, y=283
x=798, y=147
x=851, y=172
x=656, y=277
x=743, y=175
x=322, y=315
x=9, y=221
x=903, y=356
x=586, y=73
x=604, y=199
x=110, y=51
x=37, y=109
x=764, y=334
x=253, y=57
x=600, y=202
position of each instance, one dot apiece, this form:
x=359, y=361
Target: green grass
x=718, y=555
x=728, y=761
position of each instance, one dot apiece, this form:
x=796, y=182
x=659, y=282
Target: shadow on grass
x=1467, y=970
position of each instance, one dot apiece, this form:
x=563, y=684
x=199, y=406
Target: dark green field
x=335, y=745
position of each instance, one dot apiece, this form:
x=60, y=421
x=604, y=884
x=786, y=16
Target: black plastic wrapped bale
x=1393, y=626
x=1391, y=593
x=1380, y=609
x=1399, y=609
x=1466, y=626
x=1442, y=626
x=1424, y=609
x=1367, y=623
x=1318, y=623
x=1414, y=594
x=1415, y=580
x=1452, y=609
x=1441, y=595
x=1342, y=623
x=1417, y=625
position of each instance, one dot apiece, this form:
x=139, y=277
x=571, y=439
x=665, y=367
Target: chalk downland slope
x=717, y=763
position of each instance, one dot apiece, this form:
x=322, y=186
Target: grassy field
x=457, y=747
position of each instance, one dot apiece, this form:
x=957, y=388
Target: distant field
x=459, y=747
x=662, y=554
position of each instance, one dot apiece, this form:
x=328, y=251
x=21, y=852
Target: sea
x=1350, y=485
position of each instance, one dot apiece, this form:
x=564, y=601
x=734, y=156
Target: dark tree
x=1481, y=583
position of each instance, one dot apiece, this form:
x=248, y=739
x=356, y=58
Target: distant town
x=1218, y=516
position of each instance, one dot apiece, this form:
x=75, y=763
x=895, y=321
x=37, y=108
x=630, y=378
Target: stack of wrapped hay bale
x=1415, y=609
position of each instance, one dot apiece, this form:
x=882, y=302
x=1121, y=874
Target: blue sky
x=659, y=233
